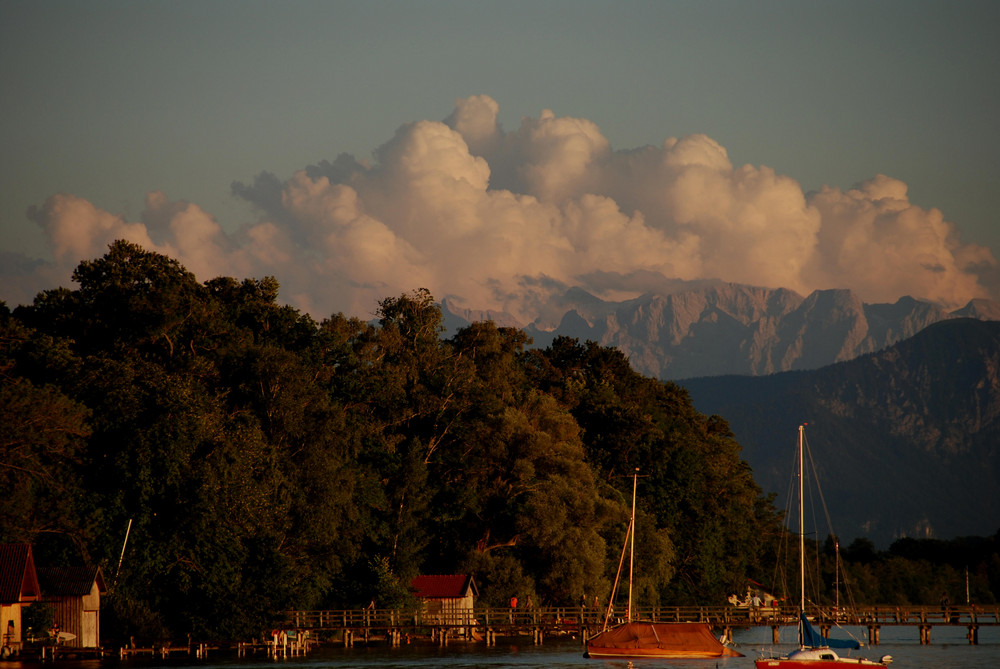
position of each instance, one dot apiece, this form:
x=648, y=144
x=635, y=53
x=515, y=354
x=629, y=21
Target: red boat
x=818, y=658
x=814, y=652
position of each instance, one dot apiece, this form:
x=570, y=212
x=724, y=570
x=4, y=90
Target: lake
x=949, y=650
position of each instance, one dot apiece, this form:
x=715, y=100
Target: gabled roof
x=450, y=586
x=18, y=580
x=70, y=581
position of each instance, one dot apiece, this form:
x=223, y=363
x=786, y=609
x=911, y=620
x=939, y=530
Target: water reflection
x=949, y=649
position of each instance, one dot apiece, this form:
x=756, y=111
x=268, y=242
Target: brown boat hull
x=658, y=640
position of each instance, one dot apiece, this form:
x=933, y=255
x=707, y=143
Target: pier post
x=925, y=635
x=974, y=635
x=873, y=634
x=775, y=633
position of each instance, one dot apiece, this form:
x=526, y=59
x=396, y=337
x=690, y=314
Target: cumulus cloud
x=873, y=238
x=504, y=220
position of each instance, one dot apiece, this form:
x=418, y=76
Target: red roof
x=70, y=581
x=18, y=581
x=452, y=586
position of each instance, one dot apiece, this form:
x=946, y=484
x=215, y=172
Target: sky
x=498, y=153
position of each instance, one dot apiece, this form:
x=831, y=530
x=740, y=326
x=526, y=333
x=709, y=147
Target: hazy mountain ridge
x=907, y=439
x=455, y=317
x=726, y=328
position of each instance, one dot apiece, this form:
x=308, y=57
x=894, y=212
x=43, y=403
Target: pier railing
x=570, y=618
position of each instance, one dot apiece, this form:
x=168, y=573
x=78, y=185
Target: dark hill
x=907, y=439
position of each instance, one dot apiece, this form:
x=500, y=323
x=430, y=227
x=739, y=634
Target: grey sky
x=110, y=100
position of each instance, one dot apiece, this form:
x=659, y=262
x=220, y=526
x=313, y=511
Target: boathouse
x=18, y=589
x=447, y=599
x=75, y=595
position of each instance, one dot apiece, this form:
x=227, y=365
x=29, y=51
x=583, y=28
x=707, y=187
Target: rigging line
x=629, y=546
x=829, y=521
x=614, y=589
x=788, y=518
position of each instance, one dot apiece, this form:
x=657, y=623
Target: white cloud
x=501, y=219
x=874, y=239
x=77, y=230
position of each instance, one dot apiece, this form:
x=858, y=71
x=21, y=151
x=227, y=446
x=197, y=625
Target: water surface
x=949, y=649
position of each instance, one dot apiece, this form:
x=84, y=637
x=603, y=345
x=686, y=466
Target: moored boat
x=814, y=651
x=818, y=658
x=641, y=639
x=634, y=639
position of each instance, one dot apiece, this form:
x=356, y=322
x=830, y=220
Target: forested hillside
x=269, y=461
x=907, y=438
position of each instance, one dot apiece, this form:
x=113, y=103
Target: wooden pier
x=396, y=627
x=279, y=644
x=299, y=631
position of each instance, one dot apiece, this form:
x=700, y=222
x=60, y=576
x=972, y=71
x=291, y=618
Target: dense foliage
x=259, y=461
x=912, y=572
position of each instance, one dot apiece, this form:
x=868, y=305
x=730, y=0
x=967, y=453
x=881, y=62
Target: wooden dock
x=395, y=627
x=280, y=644
x=300, y=631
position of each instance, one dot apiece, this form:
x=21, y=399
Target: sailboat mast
x=802, y=537
x=836, y=576
x=631, y=551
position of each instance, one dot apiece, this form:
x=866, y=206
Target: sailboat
x=814, y=651
x=647, y=639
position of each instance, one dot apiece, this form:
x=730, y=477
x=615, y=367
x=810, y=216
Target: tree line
x=261, y=461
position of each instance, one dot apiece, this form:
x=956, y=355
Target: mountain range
x=906, y=440
x=715, y=328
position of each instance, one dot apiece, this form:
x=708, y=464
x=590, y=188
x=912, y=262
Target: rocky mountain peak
x=729, y=328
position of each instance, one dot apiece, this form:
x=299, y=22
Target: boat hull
x=818, y=658
x=616, y=653
x=658, y=640
x=817, y=664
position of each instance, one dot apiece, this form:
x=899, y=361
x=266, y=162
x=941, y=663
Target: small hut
x=75, y=594
x=448, y=599
x=18, y=588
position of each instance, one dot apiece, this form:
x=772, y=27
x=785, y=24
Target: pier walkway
x=485, y=624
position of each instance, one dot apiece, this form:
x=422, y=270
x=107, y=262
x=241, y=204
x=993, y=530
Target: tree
x=266, y=461
x=709, y=512
x=42, y=439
